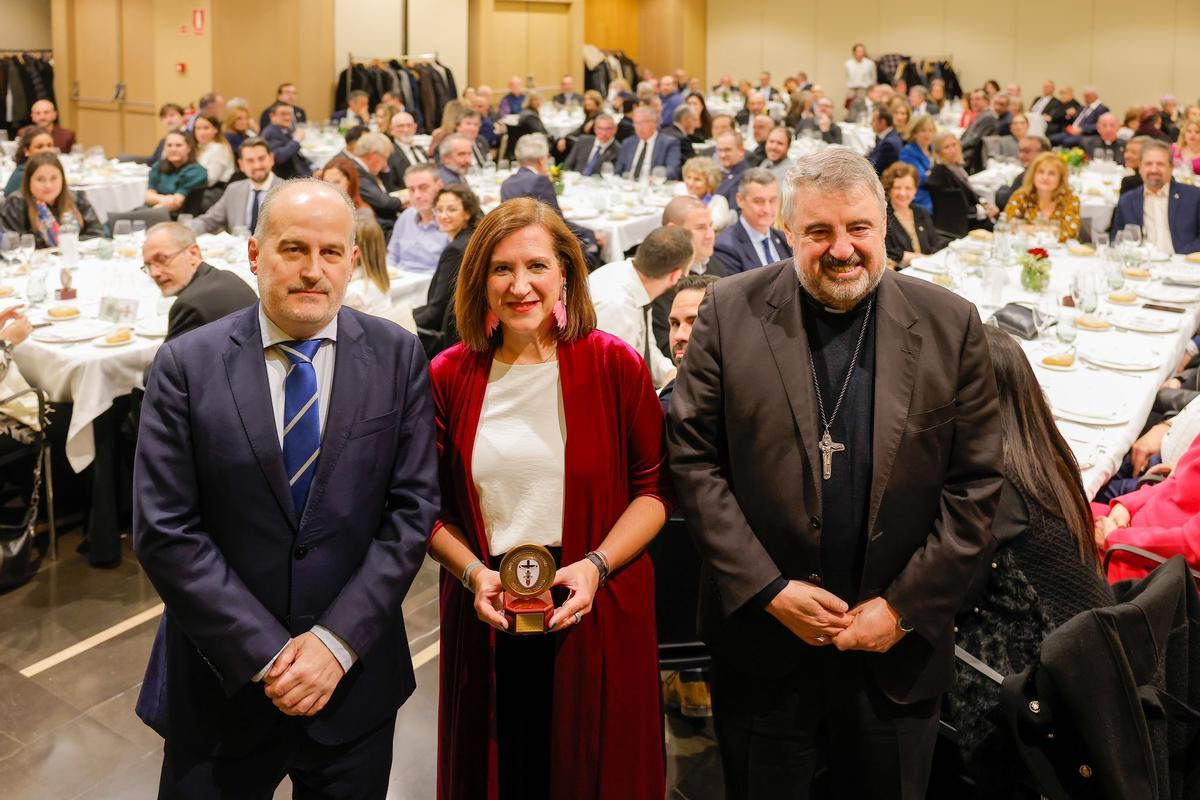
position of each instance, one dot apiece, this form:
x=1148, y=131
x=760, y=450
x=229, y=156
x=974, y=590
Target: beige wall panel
x=734, y=38
x=26, y=24
x=839, y=25
x=1069, y=62
x=695, y=28
x=612, y=25
x=550, y=45
x=313, y=60
x=1186, y=83
x=789, y=35
x=149, y=72
x=142, y=131
x=64, y=63
x=508, y=24
x=982, y=40
x=95, y=45
x=1133, y=53
x=915, y=27
x=102, y=127
x=441, y=26
x=367, y=27
x=661, y=50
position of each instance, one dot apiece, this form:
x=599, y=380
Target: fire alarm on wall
x=180, y=67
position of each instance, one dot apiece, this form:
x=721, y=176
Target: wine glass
x=1133, y=234
x=28, y=243
x=10, y=244
x=658, y=176
x=1084, y=290
x=1065, y=330
x=607, y=170
x=138, y=229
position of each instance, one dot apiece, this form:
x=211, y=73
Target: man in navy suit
x=731, y=153
x=752, y=242
x=887, y=142
x=1085, y=121
x=284, y=139
x=531, y=180
x=647, y=149
x=594, y=150
x=1168, y=211
x=285, y=485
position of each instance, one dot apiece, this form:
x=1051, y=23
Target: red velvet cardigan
x=607, y=735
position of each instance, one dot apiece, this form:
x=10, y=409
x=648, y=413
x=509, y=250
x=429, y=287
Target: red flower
x=1038, y=252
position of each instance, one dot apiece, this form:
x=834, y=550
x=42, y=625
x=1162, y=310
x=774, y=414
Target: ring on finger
x=822, y=639
x=578, y=617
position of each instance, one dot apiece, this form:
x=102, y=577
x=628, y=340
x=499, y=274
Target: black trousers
x=773, y=734
x=356, y=770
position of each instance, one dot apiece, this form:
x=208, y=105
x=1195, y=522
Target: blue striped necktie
x=301, y=418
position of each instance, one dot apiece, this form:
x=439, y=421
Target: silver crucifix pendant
x=828, y=448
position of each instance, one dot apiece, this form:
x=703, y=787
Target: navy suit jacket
x=527, y=183
x=887, y=151
x=729, y=183
x=581, y=153
x=240, y=570
x=739, y=254
x=289, y=161
x=1183, y=215
x=666, y=154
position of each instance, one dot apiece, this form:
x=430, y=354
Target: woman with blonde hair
x=1186, y=150
x=369, y=289
x=237, y=126
x=701, y=177
x=549, y=434
x=1045, y=196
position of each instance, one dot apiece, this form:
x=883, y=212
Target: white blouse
x=518, y=464
x=363, y=295
x=217, y=158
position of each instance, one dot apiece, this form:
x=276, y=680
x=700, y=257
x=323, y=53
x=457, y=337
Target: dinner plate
x=929, y=265
x=582, y=214
x=102, y=343
x=1144, y=323
x=1084, y=419
x=152, y=328
x=81, y=330
x=1123, y=361
x=1075, y=367
x=1168, y=294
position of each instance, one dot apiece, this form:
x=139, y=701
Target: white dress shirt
x=1155, y=221
x=860, y=74
x=623, y=309
x=413, y=153
x=758, y=238
x=277, y=369
x=648, y=164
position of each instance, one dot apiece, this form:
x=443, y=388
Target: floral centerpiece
x=1035, y=269
x=556, y=178
x=1075, y=157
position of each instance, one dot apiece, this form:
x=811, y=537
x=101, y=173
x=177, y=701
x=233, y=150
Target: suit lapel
x=784, y=329
x=246, y=371
x=897, y=349
x=350, y=376
x=1172, y=209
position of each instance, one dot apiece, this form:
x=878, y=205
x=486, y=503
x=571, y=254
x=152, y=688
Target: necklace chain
x=862, y=334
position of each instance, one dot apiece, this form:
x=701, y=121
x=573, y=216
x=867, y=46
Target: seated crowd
x=415, y=212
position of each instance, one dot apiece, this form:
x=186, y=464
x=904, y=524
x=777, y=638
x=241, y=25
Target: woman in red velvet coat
x=549, y=432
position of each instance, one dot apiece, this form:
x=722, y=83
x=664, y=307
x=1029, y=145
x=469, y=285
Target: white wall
x=1133, y=54
x=376, y=28
x=24, y=24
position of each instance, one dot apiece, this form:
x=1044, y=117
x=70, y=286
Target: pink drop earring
x=491, y=322
x=560, y=310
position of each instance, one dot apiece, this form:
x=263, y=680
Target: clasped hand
x=581, y=579
x=303, y=677
x=822, y=618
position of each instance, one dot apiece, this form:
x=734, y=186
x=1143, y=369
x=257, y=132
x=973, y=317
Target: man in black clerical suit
x=835, y=445
x=202, y=292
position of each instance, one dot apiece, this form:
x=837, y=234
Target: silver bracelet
x=466, y=576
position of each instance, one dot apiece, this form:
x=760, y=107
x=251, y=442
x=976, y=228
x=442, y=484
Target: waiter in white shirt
x=860, y=71
x=623, y=293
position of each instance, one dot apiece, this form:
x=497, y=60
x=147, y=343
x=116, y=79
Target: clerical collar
x=820, y=307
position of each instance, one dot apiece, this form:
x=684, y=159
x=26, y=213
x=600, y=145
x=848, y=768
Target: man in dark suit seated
x=1083, y=123
x=567, y=96
x=370, y=156
x=731, y=154
x=532, y=180
x=356, y=112
x=888, y=143
x=752, y=242
x=284, y=138
x=760, y=129
x=683, y=122
x=455, y=153
x=469, y=126
x=822, y=122
x=647, y=149
x=986, y=123
x=285, y=485
x=1047, y=106
x=1133, y=161
x=286, y=93
x=593, y=150
x=1167, y=211
x=756, y=106
x=241, y=201
x=1104, y=141
x=202, y=292
x=405, y=152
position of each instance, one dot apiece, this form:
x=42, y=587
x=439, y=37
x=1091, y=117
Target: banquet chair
x=950, y=212
x=151, y=216
x=676, y=598
x=17, y=527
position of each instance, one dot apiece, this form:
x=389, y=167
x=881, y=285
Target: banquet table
x=321, y=144
x=1101, y=402
x=624, y=211
x=1097, y=186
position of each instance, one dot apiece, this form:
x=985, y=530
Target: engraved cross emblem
x=828, y=448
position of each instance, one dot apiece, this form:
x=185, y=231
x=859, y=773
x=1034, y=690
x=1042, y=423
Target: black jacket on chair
x=953, y=200
x=435, y=319
x=13, y=217
x=386, y=207
x=897, y=240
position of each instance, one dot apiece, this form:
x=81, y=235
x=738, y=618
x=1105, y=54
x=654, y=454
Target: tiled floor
x=69, y=731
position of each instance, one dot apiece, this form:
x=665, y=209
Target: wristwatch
x=903, y=625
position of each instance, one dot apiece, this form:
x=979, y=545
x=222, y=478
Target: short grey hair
x=836, y=170
x=180, y=235
x=1151, y=144
x=448, y=143
x=377, y=143
x=265, y=212
x=683, y=112
x=531, y=148
x=763, y=177
x=643, y=111
x=422, y=166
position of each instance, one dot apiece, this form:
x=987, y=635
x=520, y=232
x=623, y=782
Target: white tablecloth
x=1099, y=448
x=859, y=138
x=321, y=144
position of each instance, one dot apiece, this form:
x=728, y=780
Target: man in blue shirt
x=671, y=99
x=417, y=242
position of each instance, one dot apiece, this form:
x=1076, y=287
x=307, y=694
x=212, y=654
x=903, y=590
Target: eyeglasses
x=161, y=261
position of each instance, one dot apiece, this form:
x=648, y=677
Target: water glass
x=28, y=243
x=607, y=170
x=994, y=277
x=1065, y=330
x=139, y=229
x=10, y=244
x=1133, y=234
x=35, y=287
